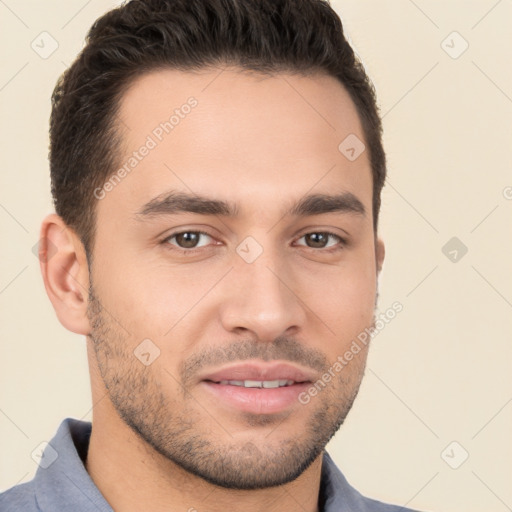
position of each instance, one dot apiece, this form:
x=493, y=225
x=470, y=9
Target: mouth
x=267, y=384
x=258, y=387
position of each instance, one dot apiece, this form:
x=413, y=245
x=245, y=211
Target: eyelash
x=192, y=251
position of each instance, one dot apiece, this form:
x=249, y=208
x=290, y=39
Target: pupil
x=318, y=239
x=187, y=239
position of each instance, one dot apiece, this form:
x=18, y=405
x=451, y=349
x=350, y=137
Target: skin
x=262, y=143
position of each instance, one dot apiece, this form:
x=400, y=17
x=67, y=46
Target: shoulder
x=19, y=497
x=370, y=505
x=49, y=485
x=338, y=494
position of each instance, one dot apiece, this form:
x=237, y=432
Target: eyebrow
x=314, y=204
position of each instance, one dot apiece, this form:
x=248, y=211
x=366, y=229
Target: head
x=211, y=227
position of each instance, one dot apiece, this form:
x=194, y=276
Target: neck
x=132, y=477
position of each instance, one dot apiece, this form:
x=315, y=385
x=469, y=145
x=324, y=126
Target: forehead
x=240, y=136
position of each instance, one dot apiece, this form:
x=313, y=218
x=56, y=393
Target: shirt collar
x=64, y=484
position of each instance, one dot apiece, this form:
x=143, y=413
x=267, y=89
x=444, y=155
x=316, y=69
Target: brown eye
x=321, y=240
x=189, y=239
x=317, y=240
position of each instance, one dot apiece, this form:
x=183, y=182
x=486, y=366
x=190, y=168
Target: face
x=234, y=262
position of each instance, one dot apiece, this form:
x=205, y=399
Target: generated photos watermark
x=152, y=140
x=362, y=339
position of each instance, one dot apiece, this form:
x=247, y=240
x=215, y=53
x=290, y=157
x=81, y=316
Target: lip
x=261, y=371
x=257, y=400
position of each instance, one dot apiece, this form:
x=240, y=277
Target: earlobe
x=65, y=273
x=380, y=252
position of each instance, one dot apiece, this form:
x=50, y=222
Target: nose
x=261, y=299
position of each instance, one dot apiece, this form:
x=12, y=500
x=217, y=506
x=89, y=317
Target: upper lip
x=260, y=371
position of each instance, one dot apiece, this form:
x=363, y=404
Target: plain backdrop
x=431, y=426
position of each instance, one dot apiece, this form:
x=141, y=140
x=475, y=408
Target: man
x=216, y=170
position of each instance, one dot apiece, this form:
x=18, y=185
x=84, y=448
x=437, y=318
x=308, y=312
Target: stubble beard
x=187, y=434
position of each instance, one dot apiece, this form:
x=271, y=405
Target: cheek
x=352, y=280
x=132, y=295
x=357, y=297
x=154, y=300
x=348, y=307
x=345, y=301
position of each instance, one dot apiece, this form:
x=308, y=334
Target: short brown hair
x=267, y=36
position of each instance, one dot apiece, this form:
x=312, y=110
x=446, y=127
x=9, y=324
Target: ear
x=380, y=252
x=65, y=273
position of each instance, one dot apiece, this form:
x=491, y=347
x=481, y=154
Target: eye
x=189, y=239
x=322, y=240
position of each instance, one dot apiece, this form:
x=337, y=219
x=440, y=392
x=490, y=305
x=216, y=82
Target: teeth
x=267, y=384
x=253, y=383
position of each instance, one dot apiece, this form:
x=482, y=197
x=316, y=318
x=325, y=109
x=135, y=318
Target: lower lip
x=257, y=400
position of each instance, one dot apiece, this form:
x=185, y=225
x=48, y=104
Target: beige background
x=441, y=371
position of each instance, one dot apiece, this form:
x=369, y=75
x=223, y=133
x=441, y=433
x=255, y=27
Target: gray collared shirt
x=62, y=483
